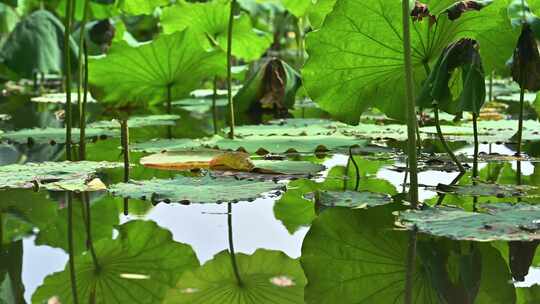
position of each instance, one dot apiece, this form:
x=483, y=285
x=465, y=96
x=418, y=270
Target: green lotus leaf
x=55, y=135
x=373, y=131
x=36, y=46
x=529, y=295
x=501, y=221
x=98, y=10
x=350, y=199
x=291, y=127
x=146, y=73
x=292, y=209
x=254, y=144
x=360, y=46
x=287, y=167
x=139, y=266
x=347, y=251
x=22, y=212
x=60, y=98
x=211, y=20
x=104, y=216
x=199, y=105
x=138, y=122
x=202, y=190
x=267, y=277
x=55, y=176
x=141, y=7
x=483, y=189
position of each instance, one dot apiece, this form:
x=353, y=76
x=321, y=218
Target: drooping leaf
x=350, y=199
x=59, y=98
x=55, y=176
x=144, y=74
x=501, y=221
x=267, y=277
x=360, y=46
x=210, y=20
x=36, y=46
x=194, y=190
x=137, y=267
x=463, y=54
x=459, y=8
x=272, y=87
x=55, y=135
x=138, y=122
x=350, y=250
x=526, y=60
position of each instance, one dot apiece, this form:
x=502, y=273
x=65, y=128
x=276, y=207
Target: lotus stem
x=300, y=41
x=1, y=231
x=490, y=92
x=82, y=87
x=411, y=107
x=125, y=151
x=71, y=262
x=231, y=246
x=87, y=213
x=443, y=140
x=214, y=108
x=476, y=145
x=67, y=69
x=455, y=181
x=357, y=170
x=411, y=266
x=229, y=70
x=169, y=108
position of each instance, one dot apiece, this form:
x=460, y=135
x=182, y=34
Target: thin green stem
x=490, y=95
x=520, y=123
x=357, y=170
x=476, y=145
x=411, y=266
x=231, y=246
x=125, y=152
x=70, y=247
x=214, y=108
x=411, y=107
x=443, y=140
x=169, y=108
x=455, y=181
x=88, y=225
x=1, y=230
x=229, y=69
x=67, y=69
x=82, y=88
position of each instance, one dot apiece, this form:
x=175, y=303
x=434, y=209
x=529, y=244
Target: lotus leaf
x=267, y=277
x=176, y=63
x=211, y=20
x=141, y=7
x=36, y=46
x=59, y=98
x=350, y=199
x=138, y=122
x=291, y=127
x=202, y=190
x=347, y=251
x=483, y=189
x=139, y=266
x=54, y=135
x=506, y=222
x=55, y=176
x=360, y=46
x=219, y=160
x=199, y=105
x=162, y=145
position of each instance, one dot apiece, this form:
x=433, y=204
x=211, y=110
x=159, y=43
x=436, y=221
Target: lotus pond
x=269, y=151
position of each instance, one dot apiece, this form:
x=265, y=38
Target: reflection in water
x=231, y=246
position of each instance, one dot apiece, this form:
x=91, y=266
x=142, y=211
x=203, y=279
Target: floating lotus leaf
x=55, y=135
x=202, y=190
x=219, y=160
x=60, y=98
x=506, y=222
x=350, y=199
x=483, y=189
x=199, y=105
x=268, y=277
x=174, y=64
x=529, y=97
x=211, y=20
x=138, y=122
x=55, y=176
x=291, y=127
x=254, y=144
x=36, y=46
x=373, y=131
x=139, y=266
x=162, y=145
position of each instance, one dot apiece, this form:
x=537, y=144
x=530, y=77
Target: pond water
x=348, y=256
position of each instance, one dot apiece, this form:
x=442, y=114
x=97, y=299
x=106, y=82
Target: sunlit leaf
x=55, y=136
